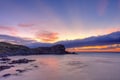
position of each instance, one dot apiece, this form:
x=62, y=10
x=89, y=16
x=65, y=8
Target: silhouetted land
x=8, y=49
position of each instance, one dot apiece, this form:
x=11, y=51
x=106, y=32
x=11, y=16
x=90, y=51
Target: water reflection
x=71, y=67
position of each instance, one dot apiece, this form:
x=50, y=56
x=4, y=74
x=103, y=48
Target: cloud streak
x=102, y=7
x=16, y=40
x=22, y=41
x=10, y=29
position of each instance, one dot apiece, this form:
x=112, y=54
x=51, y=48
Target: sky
x=50, y=21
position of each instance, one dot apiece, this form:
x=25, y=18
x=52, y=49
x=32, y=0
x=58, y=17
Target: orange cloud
x=104, y=48
x=26, y=25
x=47, y=36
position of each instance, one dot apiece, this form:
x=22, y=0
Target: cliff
x=13, y=49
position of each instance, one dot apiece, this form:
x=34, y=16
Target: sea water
x=83, y=66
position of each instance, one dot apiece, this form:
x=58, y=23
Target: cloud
x=10, y=29
x=17, y=40
x=5, y=28
x=102, y=7
x=26, y=25
x=22, y=41
x=112, y=46
x=109, y=39
x=47, y=36
x=103, y=47
x=113, y=38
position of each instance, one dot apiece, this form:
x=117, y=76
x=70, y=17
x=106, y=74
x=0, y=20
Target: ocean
x=83, y=66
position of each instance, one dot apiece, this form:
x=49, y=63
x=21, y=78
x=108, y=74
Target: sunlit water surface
x=84, y=66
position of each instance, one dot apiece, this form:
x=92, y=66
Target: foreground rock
x=4, y=59
x=21, y=61
x=8, y=65
x=4, y=67
x=6, y=75
x=20, y=71
x=7, y=49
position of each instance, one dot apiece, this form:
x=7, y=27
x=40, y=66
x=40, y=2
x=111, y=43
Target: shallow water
x=84, y=66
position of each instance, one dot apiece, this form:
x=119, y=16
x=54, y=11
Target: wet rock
x=74, y=63
x=36, y=66
x=21, y=61
x=20, y=71
x=4, y=59
x=5, y=67
x=6, y=75
x=73, y=53
x=3, y=62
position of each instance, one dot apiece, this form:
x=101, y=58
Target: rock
x=5, y=67
x=36, y=66
x=73, y=53
x=21, y=61
x=20, y=71
x=3, y=62
x=5, y=59
x=6, y=75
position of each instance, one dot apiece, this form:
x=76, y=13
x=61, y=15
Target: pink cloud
x=47, y=36
x=102, y=7
x=10, y=30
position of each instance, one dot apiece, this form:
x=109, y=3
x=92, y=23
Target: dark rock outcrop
x=5, y=67
x=7, y=49
x=6, y=75
x=21, y=61
x=20, y=70
x=4, y=59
